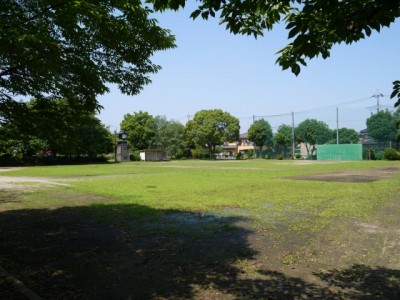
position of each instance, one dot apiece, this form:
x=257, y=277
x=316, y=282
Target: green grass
x=256, y=189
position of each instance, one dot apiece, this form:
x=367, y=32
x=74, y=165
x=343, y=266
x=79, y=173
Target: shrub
x=239, y=155
x=279, y=156
x=380, y=155
x=250, y=153
x=199, y=153
x=298, y=156
x=391, y=154
x=135, y=156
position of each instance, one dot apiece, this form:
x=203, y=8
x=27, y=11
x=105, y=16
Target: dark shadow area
x=136, y=252
x=75, y=253
x=365, y=282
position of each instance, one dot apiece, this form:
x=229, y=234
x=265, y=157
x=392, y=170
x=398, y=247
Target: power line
x=315, y=109
x=377, y=96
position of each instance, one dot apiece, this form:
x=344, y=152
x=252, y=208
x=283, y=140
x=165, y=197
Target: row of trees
x=57, y=127
x=211, y=128
x=383, y=127
x=51, y=128
x=310, y=132
x=207, y=130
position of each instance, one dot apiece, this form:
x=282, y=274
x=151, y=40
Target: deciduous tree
x=140, y=129
x=169, y=136
x=283, y=138
x=346, y=136
x=56, y=126
x=311, y=132
x=382, y=127
x=210, y=128
x=260, y=133
x=314, y=27
x=72, y=49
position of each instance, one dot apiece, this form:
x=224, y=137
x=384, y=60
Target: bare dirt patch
x=353, y=176
x=6, y=169
x=7, y=182
x=17, y=183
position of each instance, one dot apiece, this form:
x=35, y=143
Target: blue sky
x=211, y=68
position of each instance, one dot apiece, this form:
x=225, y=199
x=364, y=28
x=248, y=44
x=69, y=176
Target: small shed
x=339, y=152
x=153, y=155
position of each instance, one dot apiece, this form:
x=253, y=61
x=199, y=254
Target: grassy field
x=295, y=219
x=258, y=189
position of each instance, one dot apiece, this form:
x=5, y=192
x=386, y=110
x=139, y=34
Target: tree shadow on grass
x=136, y=252
x=364, y=282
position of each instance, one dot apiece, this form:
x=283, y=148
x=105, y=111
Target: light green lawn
x=258, y=189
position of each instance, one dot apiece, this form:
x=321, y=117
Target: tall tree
x=72, y=49
x=17, y=128
x=397, y=118
x=283, y=138
x=260, y=133
x=314, y=27
x=396, y=92
x=311, y=132
x=140, y=129
x=210, y=128
x=382, y=127
x=169, y=136
x=56, y=126
x=346, y=136
x=93, y=137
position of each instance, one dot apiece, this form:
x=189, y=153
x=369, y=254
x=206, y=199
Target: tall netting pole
x=337, y=125
x=292, y=135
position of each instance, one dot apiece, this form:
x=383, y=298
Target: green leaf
x=204, y=15
x=293, y=32
x=195, y=14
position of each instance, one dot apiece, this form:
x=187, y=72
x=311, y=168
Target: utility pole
x=292, y=135
x=377, y=95
x=337, y=125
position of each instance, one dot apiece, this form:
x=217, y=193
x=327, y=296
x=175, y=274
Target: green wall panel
x=339, y=152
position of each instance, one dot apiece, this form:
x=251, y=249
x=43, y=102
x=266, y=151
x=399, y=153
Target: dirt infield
x=353, y=176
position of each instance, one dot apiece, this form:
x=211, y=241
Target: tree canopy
x=210, y=128
x=283, y=138
x=397, y=117
x=260, y=133
x=72, y=49
x=312, y=132
x=346, y=136
x=314, y=27
x=169, y=136
x=54, y=126
x=140, y=129
x=382, y=127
